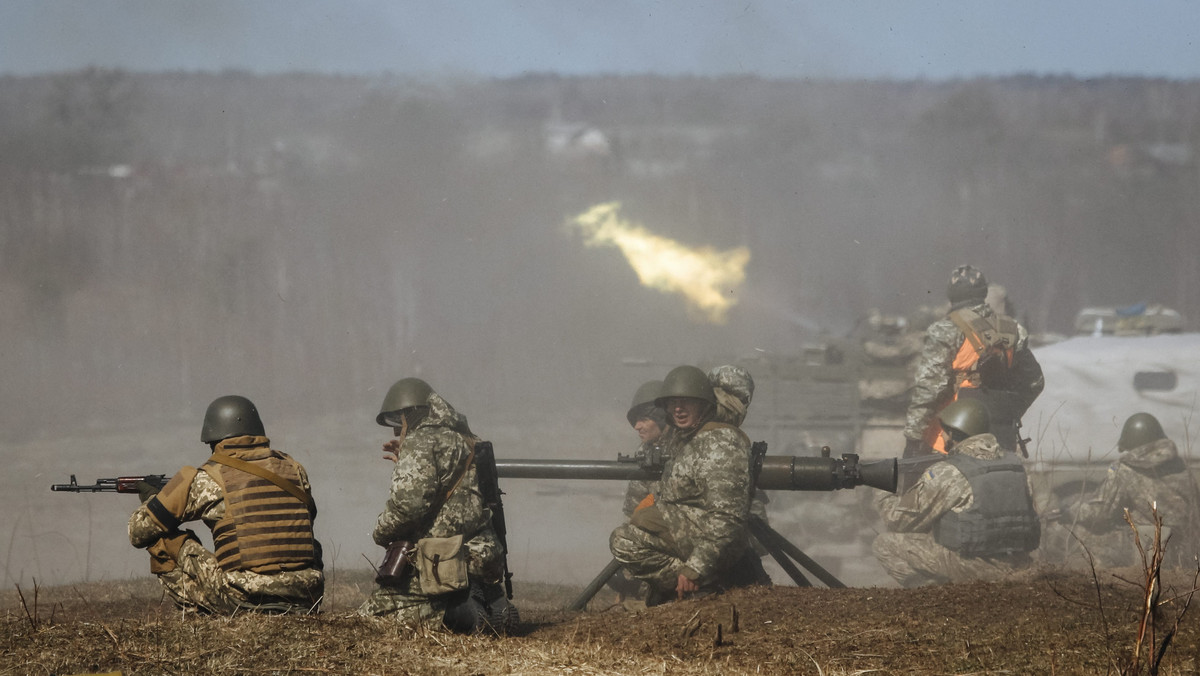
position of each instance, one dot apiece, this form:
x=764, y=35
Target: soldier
x=435, y=505
x=258, y=504
x=1148, y=472
x=693, y=535
x=734, y=388
x=969, y=516
x=649, y=421
x=972, y=352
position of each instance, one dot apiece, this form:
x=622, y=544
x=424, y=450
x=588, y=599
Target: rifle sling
x=291, y=488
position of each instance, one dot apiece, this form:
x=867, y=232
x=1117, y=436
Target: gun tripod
x=786, y=554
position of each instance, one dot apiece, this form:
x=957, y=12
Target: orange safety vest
x=992, y=337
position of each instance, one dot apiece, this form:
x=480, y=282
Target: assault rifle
x=770, y=472
x=121, y=484
x=489, y=485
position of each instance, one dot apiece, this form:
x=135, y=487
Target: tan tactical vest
x=984, y=339
x=266, y=529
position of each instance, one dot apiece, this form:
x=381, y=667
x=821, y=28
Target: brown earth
x=1055, y=623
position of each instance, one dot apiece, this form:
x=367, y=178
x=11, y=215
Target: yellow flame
x=706, y=278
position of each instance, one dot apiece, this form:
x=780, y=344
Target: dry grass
x=1046, y=625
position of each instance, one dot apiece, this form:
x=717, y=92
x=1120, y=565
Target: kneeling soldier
x=453, y=561
x=258, y=504
x=969, y=516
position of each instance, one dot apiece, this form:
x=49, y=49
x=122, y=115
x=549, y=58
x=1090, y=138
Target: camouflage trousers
x=654, y=559
x=197, y=583
x=407, y=605
x=914, y=559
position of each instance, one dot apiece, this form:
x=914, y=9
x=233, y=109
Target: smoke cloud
x=708, y=279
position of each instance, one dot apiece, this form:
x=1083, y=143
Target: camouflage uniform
x=735, y=389
x=935, y=382
x=430, y=461
x=638, y=489
x=698, y=527
x=193, y=576
x=909, y=552
x=1151, y=473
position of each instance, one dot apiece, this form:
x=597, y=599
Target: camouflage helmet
x=966, y=283
x=230, y=416
x=644, y=400
x=968, y=417
x=735, y=380
x=406, y=393
x=1139, y=430
x=686, y=381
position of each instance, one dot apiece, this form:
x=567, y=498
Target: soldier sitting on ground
x=969, y=516
x=1148, y=472
x=258, y=504
x=649, y=421
x=691, y=537
x=435, y=506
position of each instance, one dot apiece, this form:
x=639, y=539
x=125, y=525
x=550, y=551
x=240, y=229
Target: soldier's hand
x=685, y=586
x=146, y=490
x=391, y=450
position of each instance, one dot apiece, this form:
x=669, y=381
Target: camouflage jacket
x=941, y=489
x=431, y=460
x=704, y=496
x=934, y=382
x=205, y=499
x=1152, y=473
x=638, y=489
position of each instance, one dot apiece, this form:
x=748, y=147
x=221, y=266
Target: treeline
x=166, y=238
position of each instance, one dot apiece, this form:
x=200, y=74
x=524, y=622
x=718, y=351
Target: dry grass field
x=1053, y=623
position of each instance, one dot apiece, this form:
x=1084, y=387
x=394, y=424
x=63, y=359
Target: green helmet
x=228, y=417
x=406, y=393
x=686, y=381
x=643, y=400
x=1139, y=430
x=968, y=417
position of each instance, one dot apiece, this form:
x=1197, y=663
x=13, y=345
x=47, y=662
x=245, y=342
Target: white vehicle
x=1093, y=384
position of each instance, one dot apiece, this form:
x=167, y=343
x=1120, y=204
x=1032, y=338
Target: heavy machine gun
x=771, y=472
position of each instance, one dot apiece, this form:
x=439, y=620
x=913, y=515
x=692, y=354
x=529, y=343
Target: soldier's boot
x=502, y=616
x=465, y=614
x=657, y=597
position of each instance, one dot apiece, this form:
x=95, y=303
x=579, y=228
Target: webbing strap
x=967, y=326
x=291, y=488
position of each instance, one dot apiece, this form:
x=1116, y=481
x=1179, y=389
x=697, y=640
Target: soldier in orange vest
x=973, y=352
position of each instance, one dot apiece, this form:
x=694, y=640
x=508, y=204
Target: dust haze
x=307, y=240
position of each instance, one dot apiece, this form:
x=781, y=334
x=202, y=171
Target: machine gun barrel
x=778, y=472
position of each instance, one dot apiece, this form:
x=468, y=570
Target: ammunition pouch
x=165, y=552
x=397, y=566
x=442, y=565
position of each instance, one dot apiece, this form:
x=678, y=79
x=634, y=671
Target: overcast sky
x=770, y=38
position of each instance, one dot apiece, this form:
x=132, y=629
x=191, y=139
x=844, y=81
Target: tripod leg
x=793, y=551
x=594, y=586
x=784, y=562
